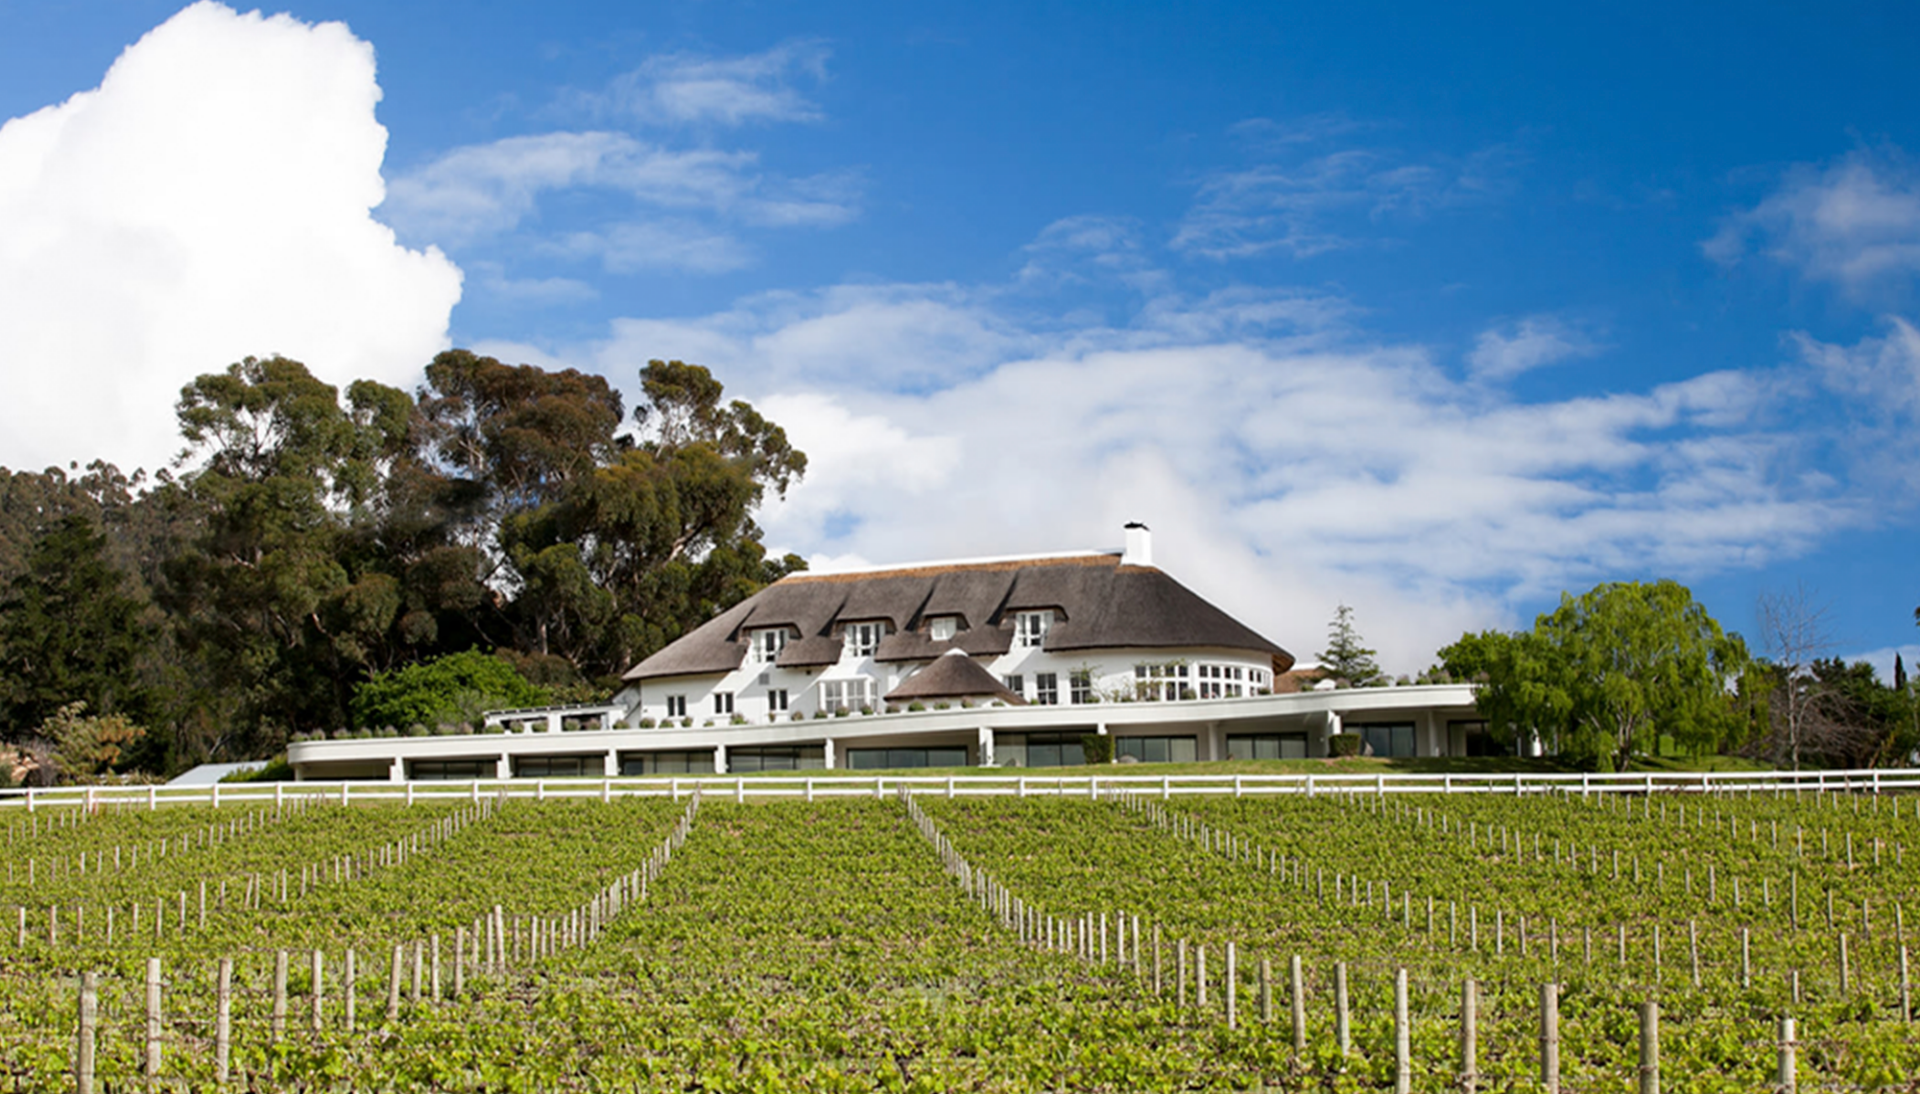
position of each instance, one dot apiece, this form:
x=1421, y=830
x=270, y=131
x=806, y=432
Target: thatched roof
x=953, y=676
x=1097, y=603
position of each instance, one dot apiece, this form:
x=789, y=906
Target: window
x=1030, y=628
x=558, y=767
x=869, y=759
x=1266, y=746
x=1163, y=681
x=723, y=702
x=698, y=762
x=1386, y=740
x=1220, y=681
x=847, y=694
x=676, y=706
x=777, y=758
x=1016, y=684
x=452, y=769
x=861, y=639
x=777, y=701
x=943, y=629
x=1080, y=686
x=767, y=645
x=1157, y=750
x=1046, y=688
x=1038, y=749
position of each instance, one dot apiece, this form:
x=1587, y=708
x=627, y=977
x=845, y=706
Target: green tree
x=446, y=690
x=1605, y=674
x=1345, y=658
x=87, y=746
x=71, y=632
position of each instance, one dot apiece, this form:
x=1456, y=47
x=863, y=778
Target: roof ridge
x=982, y=565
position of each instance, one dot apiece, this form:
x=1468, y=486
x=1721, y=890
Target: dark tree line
x=309, y=538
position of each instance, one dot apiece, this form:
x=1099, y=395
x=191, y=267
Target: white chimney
x=1139, y=550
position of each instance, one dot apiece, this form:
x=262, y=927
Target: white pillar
x=553, y=721
x=503, y=767
x=612, y=763
x=827, y=750
x=719, y=759
x=986, y=746
x=397, y=770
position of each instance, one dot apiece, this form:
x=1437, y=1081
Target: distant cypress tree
x=1899, y=674
x=70, y=632
x=1345, y=658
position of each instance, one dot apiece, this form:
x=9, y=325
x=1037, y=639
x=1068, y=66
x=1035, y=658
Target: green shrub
x=1096, y=749
x=456, y=688
x=1344, y=744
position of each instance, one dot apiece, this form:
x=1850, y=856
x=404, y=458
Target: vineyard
x=1111, y=938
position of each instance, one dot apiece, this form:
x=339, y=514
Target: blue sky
x=1430, y=312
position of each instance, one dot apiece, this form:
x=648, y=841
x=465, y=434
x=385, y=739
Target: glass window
x=1080, y=685
x=1016, y=684
x=558, y=767
x=1161, y=681
x=767, y=644
x=861, y=639
x=695, y=762
x=1030, y=628
x=1038, y=749
x=1046, y=688
x=871, y=759
x=676, y=706
x=943, y=629
x=777, y=701
x=847, y=694
x=777, y=758
x=723, y=702
x=1158, y=750
x=1388, y=740
x=452, y=769
x=1266, y=746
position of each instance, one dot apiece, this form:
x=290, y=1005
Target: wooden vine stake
x=1232, y=985
x=153, y=1020
x=1550, y=1037
x=223, y=1023
x=1650, y=1047
x=346, y=993
x=1342, y=1027
x=1402, y=1036
x=1788, y=1076
x=1297, y=1002
x=83, y=1058
x=279, y=994
x=319, y=990
x=1469, y=1035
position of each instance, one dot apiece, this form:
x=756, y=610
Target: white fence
x=1025, y=784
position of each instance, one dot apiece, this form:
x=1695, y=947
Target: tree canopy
x=1345, y=657
x=310, y=540
x=1606, y=673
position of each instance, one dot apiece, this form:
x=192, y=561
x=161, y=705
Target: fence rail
x=1024, y=784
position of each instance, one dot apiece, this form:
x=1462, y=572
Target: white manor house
x=1008, y=662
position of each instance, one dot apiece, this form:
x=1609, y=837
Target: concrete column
x=612, y=767
x=986, y=746
x=1216, y=742
x=553, y=722
x=828, y=756
x=503, y=767
x=719, y=759
x=397, y=770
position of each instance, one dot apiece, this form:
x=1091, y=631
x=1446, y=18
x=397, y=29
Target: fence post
x=279, y=994
x=1298, y=1002
x=1342, y=1027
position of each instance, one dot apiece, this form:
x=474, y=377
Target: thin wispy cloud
x=1308, y=205
x=1510, y=349
x=698, y=89
x=1855, y=222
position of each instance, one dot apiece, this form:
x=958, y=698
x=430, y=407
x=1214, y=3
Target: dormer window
x=1030, y=629
x=862, y=639
x=767, y=644
x=943, y=629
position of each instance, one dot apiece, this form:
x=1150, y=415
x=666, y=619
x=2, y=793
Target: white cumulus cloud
x=209, y=200
x=1507, y=350
x=1855, y=222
